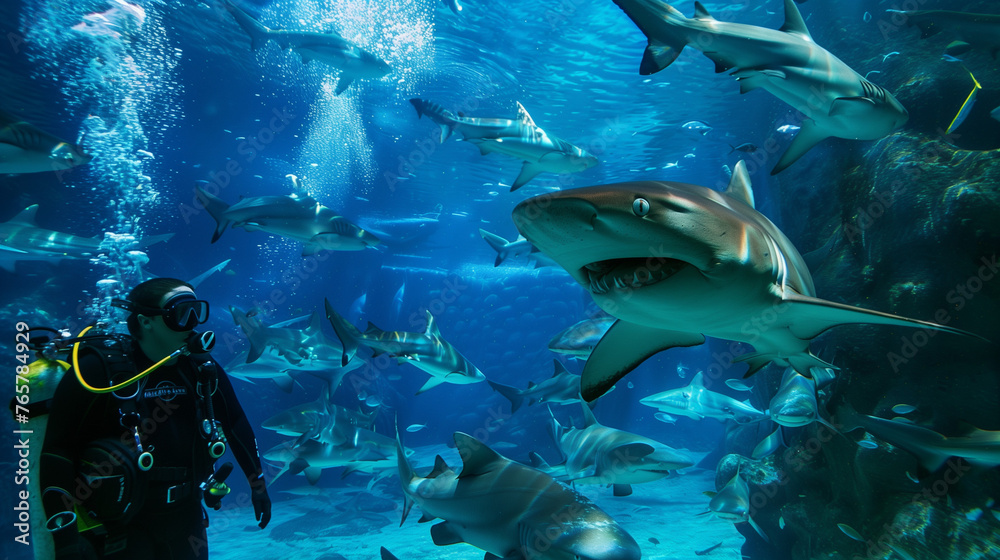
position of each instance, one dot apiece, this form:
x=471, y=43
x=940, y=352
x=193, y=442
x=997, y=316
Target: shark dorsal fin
x=314, y=323
x=794, y=22
x=440, y=466
x=700, y=12
x=559, y=368
x=588, y=416
x=698, y=380
x=739, y=186
x=523, y=116
x=477, y=458
x=26, y=216
x=432, y=328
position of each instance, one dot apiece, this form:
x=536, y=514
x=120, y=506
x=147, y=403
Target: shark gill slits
x=640, y=207
x=623, y=274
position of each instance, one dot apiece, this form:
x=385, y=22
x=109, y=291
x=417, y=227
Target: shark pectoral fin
x=810, y=316
x=622, y=489
x=284, y=382
x=426, y=517
x=623, y=347
x=768, y=445
x=313, y=474
x=446, y=131
x=809, y=135
x=343, y=83
x=432, y=382
x=757, y=528
x=658, y=56
x=528, y=172
x=753, y=78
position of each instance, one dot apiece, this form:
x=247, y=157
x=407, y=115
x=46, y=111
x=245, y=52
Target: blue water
x=187, y=89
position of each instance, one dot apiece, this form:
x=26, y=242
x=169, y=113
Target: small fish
x=373, y=401
x=665, y=418
x=653, y=540
x=681, y=370
x=912, y=478
x=737, y=385
x=145, y=154
x=974, y=515
x=870, y=72
x=787, y=128
x=949, y=58
x=415, y=427
x=698, y=127
x=868, y=444
x=867, y=17
x=850, y=532
x=746, y=148
x=671, y=165
x=707, y=550
x=903, y=408
x=957, y=48
x=688, y=156
x=886, y=56
x=966, y=107
x=781, y=522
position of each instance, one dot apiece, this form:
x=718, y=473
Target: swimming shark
x=22, y=240
x=426, y=350
x=579, y=339
x=296, y=217
x=329, y=48
x=795, y=405
x=310, y=457
x=318, y=420
x=836, y=100
x=509, y=509
x=732, y=503
x=597, y=454
x=981, y=31
x=675, y=262
x=24, y=148
x=697, y=402
x=978, y=447
x=519, y=138
x=562, y=388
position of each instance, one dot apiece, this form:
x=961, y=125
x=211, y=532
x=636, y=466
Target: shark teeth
x=625, y=274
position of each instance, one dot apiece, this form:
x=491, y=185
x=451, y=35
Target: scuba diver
x=134, y=431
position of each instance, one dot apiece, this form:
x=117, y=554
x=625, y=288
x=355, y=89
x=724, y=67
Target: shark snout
x=551, y=220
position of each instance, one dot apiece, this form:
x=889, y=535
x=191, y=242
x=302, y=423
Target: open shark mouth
x=636, y=272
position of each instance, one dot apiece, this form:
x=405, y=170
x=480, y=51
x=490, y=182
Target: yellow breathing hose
x=79, y=376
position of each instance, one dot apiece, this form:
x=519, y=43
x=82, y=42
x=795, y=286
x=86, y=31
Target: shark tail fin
x=216, y=208
x=510, y=393
x=436, y=113
x=258, y=32
x=653, y=18
x=498, y=244
x=346, y=332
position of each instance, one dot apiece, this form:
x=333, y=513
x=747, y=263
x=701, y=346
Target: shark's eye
x=640, y=206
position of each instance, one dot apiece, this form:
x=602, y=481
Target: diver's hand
x=261, y=501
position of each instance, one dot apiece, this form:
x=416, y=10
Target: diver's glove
x=261, y=501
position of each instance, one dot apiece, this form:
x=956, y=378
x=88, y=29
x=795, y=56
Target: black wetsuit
x=170, y=430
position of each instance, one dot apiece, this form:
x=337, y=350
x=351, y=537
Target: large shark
x=426, y=350
x=835, y=99
x=510, y=510
x=519, y=138
x=979, y=447
x=676, y=262
x=696, y=402
x=981, y=31
x=24, y=148
x=21, y=240
x=296, y=217
x=732, y=503
x=329, y=48
x=310, y=457
x=596, y=454
x=562, y=388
